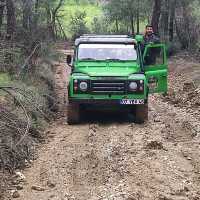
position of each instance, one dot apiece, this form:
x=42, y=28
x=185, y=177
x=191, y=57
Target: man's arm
x=155, y=39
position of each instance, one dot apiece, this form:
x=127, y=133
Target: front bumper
x=113, y=102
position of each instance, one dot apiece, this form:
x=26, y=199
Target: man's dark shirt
x=152, y=38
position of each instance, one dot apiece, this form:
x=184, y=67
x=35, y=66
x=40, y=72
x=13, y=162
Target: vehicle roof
x=104, y=39
x=104, y=36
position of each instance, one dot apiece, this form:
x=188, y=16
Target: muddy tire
x=141, y=113
x=73, y=113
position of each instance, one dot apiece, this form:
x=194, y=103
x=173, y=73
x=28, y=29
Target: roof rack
x=104, y=40
x=104, y=36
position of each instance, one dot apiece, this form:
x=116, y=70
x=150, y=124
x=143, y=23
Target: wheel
x=141, y=113
x=73, y=113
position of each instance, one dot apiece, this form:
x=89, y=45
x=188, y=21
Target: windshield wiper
x=115, y=59
x=87, y=59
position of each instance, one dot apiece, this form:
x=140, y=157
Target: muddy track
x=111, y=158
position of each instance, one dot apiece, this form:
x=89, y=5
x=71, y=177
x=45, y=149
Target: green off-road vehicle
x=110, y=72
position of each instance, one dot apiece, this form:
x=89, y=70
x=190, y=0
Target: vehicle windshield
x=115, y=52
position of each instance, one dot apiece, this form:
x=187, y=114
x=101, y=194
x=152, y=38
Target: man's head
x=149, y=29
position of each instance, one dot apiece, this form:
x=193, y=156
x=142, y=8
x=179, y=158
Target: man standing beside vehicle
x=150, y=36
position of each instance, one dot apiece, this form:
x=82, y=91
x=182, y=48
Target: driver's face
x=149, y=30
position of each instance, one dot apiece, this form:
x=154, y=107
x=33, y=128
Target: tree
x=27, y=14
x=52, y=10
x=2, y=8
x=171, y=20
x=100, y=25
x=126, y=12
x=164, y=24
x=185, y=24
x=11, y=18
x=36, y=14
x=156, y=15
x=113, y=12
x=78, y=24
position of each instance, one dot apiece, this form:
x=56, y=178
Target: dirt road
x=115, y=159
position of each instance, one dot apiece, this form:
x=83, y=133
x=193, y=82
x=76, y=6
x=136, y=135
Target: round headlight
x=133, y=86
x=83, y=86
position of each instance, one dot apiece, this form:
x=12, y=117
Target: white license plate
x=132, y=101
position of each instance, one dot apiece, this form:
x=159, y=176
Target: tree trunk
x=2, y=7
x=36, y=15
x=51, y=18
x=166, y=20
x=138, y=17
x=53, y=26
x=187, y=22
x=184, y=24
x=156, y=15
x=117, y=25
x=54, y=14
x=132, y=26
x=171, y=20
x=61, y=29
x=138, y=23
x=11, y=18
x=27, y=14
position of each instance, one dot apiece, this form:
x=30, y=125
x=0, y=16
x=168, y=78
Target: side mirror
x=69, y=60
x=139, y=38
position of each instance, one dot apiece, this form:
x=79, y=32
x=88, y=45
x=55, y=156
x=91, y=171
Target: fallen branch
x=30, y=101
x=30, y=56
x=19, y=111
x=25, y=113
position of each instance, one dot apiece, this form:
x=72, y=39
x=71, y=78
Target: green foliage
x=100, y=25
x=4, y=78
x=78, y=24
x=196, y=9
x=101, y=18
x=124, y=13
x=70, y=9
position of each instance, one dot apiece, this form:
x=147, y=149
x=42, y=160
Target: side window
x=154, y=56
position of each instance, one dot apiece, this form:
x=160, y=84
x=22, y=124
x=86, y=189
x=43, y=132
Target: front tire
x=73, y=113
x=141, y=113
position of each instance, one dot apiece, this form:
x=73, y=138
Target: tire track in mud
x=157, y=160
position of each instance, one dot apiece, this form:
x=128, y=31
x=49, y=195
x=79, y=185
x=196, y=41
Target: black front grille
x=108, y=86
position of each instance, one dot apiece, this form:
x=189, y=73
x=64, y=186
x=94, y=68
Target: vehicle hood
x=107, y=69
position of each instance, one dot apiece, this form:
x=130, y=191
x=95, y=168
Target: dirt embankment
x=111, y=158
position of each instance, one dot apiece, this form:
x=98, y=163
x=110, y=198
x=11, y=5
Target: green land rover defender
x=115, y=72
